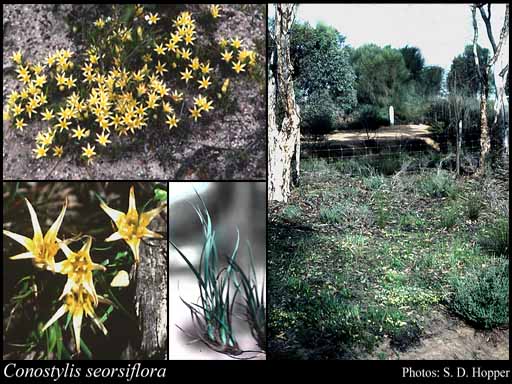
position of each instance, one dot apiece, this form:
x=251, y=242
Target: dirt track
x=397, y=132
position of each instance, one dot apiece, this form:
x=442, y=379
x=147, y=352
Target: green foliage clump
x=369, y=118
x=481, y=296
x=449, y=217
x=494, y=238
x=473, y=208
x=318, y=115
x=439, y=184
x=334, y=215
x=323, y=77
x=292, y=212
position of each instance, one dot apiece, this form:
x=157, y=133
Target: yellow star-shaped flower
x=195, y=113
x=79, y=132
x=88, y=151
x=159, y=49
x=204, y=82
x=187, y=75
x=103, y=139
x=172, y=121
x=238, y=67
x=42, y=249
x=132, y=227
x=58, y=150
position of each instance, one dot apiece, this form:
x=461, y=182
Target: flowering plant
x=140, y=70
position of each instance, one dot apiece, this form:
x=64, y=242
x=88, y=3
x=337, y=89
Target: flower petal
x=113, y=237
x=77, y=325
x=89, y=287
x=134, y=245
x=114, y=214
x=132, y=207
x=23, y=240
x=67, y=251
x=148, y=233
x=60, y=312
x=25, y=255
x=87, y=246
x=67, y=288
x=147, y=217
x=35, y=221
x=52, y=232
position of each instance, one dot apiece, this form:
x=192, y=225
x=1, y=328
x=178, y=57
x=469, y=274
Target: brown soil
x=228, y=145
x=448, y=338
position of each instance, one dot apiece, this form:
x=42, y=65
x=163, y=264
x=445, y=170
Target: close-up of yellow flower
x=79, y=132
x=195, y=113
x=227, y=56
x=159, y=49
x=20, y=124
x=214, y=10
x=103, y=139
x=152, y=18
x=78, y=267
x=77, y=303
x=238, y=67
x=132, y=226
x=88, y=151
x=58, y=150
x=40, y=151
x=236, y=43
x=187, y=75
x=172, y=121
x=41, y=249
x=204, y=82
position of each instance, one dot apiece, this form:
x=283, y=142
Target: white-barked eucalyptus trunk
x=284, y=136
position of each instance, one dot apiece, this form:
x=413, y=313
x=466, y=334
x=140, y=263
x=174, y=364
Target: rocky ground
x=224, y=146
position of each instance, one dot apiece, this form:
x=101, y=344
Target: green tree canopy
x=414, y=61
x=381, y=75
x=431, y=80
x=463, y=76
x=321, y=65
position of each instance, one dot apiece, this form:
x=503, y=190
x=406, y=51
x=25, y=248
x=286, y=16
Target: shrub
x=448, y=218
x=494, y=238
x=352, y=167
x=318, y=114
x=374, y=182
x=388, y=165
x=292, y=212
x=439, y=184
x=136, y=71
x=369, y=118
x=334, y=215
x=481, y=296
x=473, y=207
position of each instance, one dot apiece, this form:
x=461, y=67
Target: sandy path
x=448, y=338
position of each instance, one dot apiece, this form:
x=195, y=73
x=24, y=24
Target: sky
x=440, y=30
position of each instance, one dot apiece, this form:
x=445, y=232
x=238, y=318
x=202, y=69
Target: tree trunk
x=500, y=62
x=482, y=70
x=485, y=139
x=150, y=278
x=284, y=137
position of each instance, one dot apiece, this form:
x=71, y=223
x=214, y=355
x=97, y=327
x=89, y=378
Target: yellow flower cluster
x=136, y=74
x=79, y=294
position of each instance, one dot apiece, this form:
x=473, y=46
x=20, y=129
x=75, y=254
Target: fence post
x=391, y=116
x=459, y=145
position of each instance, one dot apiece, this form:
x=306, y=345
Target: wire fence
x=385, y=147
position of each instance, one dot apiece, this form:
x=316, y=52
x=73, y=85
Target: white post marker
x=391, y=116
